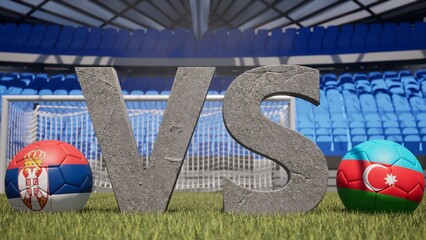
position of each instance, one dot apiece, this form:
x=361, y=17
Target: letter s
x=302, y=159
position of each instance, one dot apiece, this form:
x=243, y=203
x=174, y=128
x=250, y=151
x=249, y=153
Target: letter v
x=136, y=189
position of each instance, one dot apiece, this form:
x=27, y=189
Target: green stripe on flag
x=371, y=201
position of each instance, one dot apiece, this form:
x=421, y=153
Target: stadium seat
x=418, y=104
x=64, y=87
x=107, y=41
x=189, y=44
x=162, y=45
x=135, y=43
x=375, y=75
x=287, y=41
x=363, y=87
x=136, y=92
x=203, y=45
x=15, y=87
x=421, y=73
x=75, y=92
x=50, y=38
x=420, y=117
x=28, y=77
x=390, y=74
x=356, y=123
x=120, y=45
x=384, y=103
x=65, y=38
x=345, y=78
x=35, y=85
x=355, y=140
x=378, y=86
x=79, y=40
x=419, y=35
x=408, y=123
x=329, y=42
x=231, y=43
x=315, y=41
x=344, y=38
x=395, y=138
x=400, y=103
x=218, y=42
x=324, y=142
x=36, y=37
x=259, y=43
x=388, y=36
x=273, y=42
x=390, y=124
x=22, y=34
x=394, y=86
x=307, y=131
x=148, y=45
x=300, y=45
x=93, y=41
x=358, y=41
x=245, y=46
x=403, y=36
x=176, y=44
x=7, y=33
x=51, y=85
x=372, y=42
x=368, y=103
x=405, y=73
x=388, y=116
x=413, y=143
x=340, y=145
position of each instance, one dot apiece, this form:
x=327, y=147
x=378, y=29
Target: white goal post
x=212, y=153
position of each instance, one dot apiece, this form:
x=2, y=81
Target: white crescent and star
x=390, y=179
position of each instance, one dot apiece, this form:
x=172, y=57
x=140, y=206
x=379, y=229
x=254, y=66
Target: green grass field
x=200, y=216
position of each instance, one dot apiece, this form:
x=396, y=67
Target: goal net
x=212, y=153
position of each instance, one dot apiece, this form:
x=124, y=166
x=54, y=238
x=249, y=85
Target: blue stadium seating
x=65, y=38
x=354, y=106
x=122, y=40
x=135, y=43
x=388, y=37
x=287, y=41
x=48, y=43
x=273, y=42
x=36, y=37
x=218, y=42
x=329, y=44
x=107, y=41
x=162, y=46
x=359, y=38
x=148, y=45
x=21, y=36
x=175, y=49
x=315, y=43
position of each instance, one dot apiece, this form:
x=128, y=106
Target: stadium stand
x=359, y=38
x=372, y=105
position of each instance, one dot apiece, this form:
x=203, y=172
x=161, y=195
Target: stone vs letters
x=149, y=190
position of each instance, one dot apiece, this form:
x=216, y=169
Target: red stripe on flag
x=390, y=180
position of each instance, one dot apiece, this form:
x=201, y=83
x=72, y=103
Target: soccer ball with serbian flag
x=380, y=175
x=48, y=175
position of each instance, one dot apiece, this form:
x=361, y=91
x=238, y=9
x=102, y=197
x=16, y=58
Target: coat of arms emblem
x=33, y=180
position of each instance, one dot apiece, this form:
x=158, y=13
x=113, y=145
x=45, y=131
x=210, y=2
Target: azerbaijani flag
x=380, y=175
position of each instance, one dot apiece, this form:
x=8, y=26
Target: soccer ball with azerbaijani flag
x=380, y=175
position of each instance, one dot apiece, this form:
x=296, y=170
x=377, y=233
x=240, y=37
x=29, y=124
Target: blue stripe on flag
x=11, y=183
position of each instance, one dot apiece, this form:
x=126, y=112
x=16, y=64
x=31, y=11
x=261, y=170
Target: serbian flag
x=48, y=176
x=386, y=177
